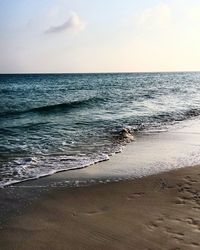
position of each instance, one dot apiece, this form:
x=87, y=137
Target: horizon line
x=106, y=72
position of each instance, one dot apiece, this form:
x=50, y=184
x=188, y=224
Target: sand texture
x=155, y=212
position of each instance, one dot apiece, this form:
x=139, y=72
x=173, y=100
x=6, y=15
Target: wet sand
x=155, y=212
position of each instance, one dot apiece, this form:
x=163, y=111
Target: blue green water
x=54, y=122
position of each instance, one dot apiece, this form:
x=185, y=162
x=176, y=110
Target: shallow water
x=50, y=123
x=151, y=153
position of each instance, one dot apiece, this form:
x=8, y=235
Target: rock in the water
x=126, y=135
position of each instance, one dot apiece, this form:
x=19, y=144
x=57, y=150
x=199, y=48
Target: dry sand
x=155, y=212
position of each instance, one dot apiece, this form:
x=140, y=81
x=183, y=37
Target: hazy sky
x=99, y=35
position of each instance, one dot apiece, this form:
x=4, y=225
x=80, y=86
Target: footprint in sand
x=152, y=226
x=94, y=212
x=135, y=195
x=177, y=236
x=189, y=179
x=180, y=201
x=159, y=220
x=195, y=244
x=194, y=223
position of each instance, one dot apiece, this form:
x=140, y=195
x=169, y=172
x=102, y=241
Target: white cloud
x=157, y=17
x=73, y=23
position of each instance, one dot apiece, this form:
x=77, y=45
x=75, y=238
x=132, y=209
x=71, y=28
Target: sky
x=55, y=36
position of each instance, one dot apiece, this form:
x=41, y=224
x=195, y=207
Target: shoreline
x=178, y=147
x=154, y=212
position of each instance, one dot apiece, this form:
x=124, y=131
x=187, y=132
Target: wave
x=31, y=168
x=177, y=116
x=192, y=113
x=67, y=106
x=58, y=107
x=140, y=123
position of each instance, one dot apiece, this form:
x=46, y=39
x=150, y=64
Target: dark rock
x=126, y=135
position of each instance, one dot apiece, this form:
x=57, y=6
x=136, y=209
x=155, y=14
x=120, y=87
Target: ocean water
x=55, y=122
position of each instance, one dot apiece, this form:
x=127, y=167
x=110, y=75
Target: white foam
x=24, y=169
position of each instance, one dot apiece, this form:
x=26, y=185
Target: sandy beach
x=154, y=212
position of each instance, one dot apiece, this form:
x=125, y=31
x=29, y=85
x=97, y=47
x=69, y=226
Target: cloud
x=73, y=23
x=157, y=17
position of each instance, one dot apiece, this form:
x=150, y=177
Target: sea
x=60, y=122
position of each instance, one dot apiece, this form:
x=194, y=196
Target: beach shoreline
x=154, y=212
